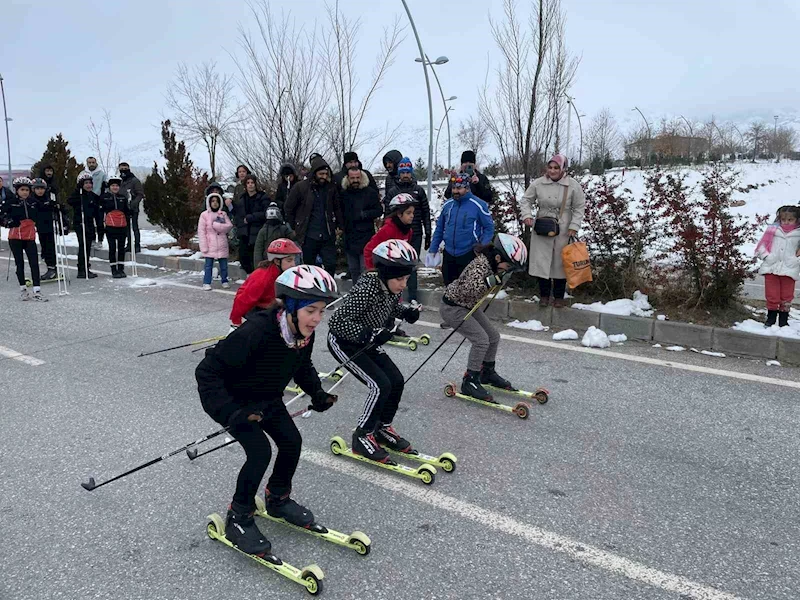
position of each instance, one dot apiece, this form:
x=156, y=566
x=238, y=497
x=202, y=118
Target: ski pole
x=461, y=343
x=469, y=314
x=203, y=348
x=134, y=269
x=214, y=339
x=92, y=485
x=85, y=250
x=333, y=387
x=64, y=260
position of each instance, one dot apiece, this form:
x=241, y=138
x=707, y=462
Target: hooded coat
x=212, y=230
x=360, y=208
x=283, y=186
x=253, y=208
x=50, y=181
x=391, y=175
x=300, y=203
x=781, y=259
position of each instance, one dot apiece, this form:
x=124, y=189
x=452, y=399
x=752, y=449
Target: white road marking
x=24, y=358
x=642, y=359
x=585, y=553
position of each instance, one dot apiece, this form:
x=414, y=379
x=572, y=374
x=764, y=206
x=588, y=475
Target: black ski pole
x=214, y=339
x=203, y=348
x=91, y=485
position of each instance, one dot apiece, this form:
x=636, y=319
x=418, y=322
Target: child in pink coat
x=212, y=231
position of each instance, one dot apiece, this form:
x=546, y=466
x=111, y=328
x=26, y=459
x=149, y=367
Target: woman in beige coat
x=545, y=255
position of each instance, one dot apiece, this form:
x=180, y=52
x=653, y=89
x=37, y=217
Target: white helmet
x=85, y=176
x=22, y=182
x=402, y=201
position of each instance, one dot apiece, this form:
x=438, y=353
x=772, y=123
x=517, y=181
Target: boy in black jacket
x=46, y=211
x=85, y=207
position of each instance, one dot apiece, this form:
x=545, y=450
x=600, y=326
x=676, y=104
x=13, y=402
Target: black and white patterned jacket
x=366, y=308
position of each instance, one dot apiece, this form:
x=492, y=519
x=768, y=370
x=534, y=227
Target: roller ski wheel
x=357, y=540
x=521, y=409
x=403, y=342
x=446, y=460
x=310, y=577
x=426, y=473
x=29, y=283
x=541, y=395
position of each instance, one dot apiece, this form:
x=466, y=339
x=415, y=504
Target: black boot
x=92, y=275
x=242, y=532
x=772, y=317
x=471, y=386
x=121, y=271
x=283, y=507
x=365, y=444
x=387, y=436
x=490, y=377
x=115, y=272
x=50, y=274
x=783, y=319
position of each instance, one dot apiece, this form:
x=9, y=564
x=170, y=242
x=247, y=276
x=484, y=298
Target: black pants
x=453, y=265
x=413, y=282
x=48, y=243
x=376, y=370
x=100, y=228
x=278, y=425
x=20, y=247
x=137, y=236
x=85, y=238
x=325, y=248
x=246, y=251
x=117, y=236
x=558, y=287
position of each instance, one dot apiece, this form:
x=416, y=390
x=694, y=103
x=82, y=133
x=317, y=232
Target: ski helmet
x=402, y=201
x=461, y=180
x=212, y=186
x=306, y=282
x=21, y=182
x=395, y=253
x=512, y=249
x=114, y=178
x=283, y=248
x=85, y=176
x=39, y=183
x=273, y=213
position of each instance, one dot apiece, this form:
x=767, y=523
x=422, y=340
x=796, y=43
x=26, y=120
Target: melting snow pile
x=532, y=325
x=638, y=307
x=595, y=338
x=618, y=338
x=568, y=334
x=501, y=295
x=751, y=326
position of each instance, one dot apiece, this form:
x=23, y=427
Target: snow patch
x=139, y=282
x=501, y=295
x=172, y=251
x=661, y=317
x=567, y=334
x=595, y=338
x=751, y=326
x=532, y=325
x=708, y=353
x=623, y=307
x=675, y=348
x=656, y=345
x=618, y=338
x=773, y=363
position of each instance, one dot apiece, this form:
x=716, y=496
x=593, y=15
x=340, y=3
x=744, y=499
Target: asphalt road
x=635, y=481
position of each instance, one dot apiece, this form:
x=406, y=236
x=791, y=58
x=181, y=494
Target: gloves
x=322, y=401
x=493, y=280
x=381, y=336
x=410, y=314
x=242, y=416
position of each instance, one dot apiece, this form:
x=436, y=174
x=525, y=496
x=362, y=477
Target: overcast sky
x=63, y=62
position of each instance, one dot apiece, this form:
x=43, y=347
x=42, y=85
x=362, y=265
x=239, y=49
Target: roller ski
x=410, y=342
x=473, y=390
x=239, y=532
x=44, y=279
x=357, y=540
x=490, y=380
x=335, y=376
x=367, y=449
x=393, y=442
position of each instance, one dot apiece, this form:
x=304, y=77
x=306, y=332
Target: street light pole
x=691, y=135
x=440, y=61
x=430, y=101
x=741, y=138
x=649, y=133
x=6, y=119
x=438, y=131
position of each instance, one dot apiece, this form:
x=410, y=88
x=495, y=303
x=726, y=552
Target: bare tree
x=101, y=141
x=784, y=142
x=473, y=134
x=286, y=89
x=757, y=135
x=204, y=108
x=603, y=139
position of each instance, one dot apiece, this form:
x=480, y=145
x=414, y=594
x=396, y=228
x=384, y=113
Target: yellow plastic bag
x=577, y=266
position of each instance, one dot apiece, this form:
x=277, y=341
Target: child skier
x=85, y=207
x=274, y=228
x=18, y=213
x=116, y=211
x=212, y=232
x=258, y=291
x=361, y=320
x=780, y=267
x=241, y=382
x=492, y=265
x=46, y=211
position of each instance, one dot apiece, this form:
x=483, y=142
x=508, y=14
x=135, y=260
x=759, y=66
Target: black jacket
x=13, y=210
x=84, y=203
x=133, y=187
x=46, y=208
x=251, y=367
x=422, y=213
x=298, y=207
x=482, y=189
x=342, y=175
x=360, y=208
x=254, y=209
x=50, y=181
x=391, y=176
x=111, y=201
x=367, y=307
x=282, y=192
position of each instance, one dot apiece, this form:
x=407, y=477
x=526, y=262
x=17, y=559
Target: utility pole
x=6, y=119
x=775, y=141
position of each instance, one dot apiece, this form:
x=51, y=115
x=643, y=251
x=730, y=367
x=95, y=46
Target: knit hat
x=405, y=165
x=350, y=157
x=460, y=181
x=294, y=304
x=468, y=156
x=559, y=159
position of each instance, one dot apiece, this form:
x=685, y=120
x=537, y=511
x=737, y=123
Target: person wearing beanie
x=391, y=160
x=212, y=233
x=358, y=327
x=478, y=182
x=313, y=210
x=287, y=177
x=561, y=205
x=350, y=159
x=132, y=188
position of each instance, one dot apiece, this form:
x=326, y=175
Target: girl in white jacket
x=781, y=265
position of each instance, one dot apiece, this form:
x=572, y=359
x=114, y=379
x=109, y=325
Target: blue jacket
x=462, y=224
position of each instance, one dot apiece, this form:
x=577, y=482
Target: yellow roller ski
x=521, y=409
x=446, y=460
x=541, y=395
x=410, y=342
x=310, y=577
x=425, y=473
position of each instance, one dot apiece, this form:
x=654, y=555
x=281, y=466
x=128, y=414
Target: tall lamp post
x=440, y=61
x=571, y=102
x=430, y=101
x=438, y=131
x=6, y=119
x=649, y=132
x=741, y=138
x=691, y=135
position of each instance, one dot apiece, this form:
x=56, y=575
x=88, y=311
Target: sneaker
x=388, y=436
x=206, y=287
x=242, y=531
x=37, y=296
x=471, y=386
x=365, y=444
x=25, y=295
x=283, y=507
x=226, y=285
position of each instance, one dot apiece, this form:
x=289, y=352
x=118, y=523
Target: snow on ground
x=708, y=352
x=595, y=338
x=618, y=338
x=639, y=306
x=661, y=317
x=532, y=325
x=773, y=363
x=751, y=326
x=138, y=282
x=172, y=251
x=501, y=295
x=675, y=348
x=567, y=334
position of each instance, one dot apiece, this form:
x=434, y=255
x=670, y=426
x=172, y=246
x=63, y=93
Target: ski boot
x=37, y=296
x=283, y=507
x=772, y=318
x=399, y=333
x=365, y=444
x=50, y=274
x=471, y=386
x=387, y=436
x=490, y=377
x=242, y=532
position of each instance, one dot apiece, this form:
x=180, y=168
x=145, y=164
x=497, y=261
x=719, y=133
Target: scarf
x=769, y=235
x=286, y=333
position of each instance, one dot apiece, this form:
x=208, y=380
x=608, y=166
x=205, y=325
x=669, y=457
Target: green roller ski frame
x=310, y=577
x=521, y=409
x=334, y=376
x=29, y=283
x=425, y=473
x=541, y=395
x=358, y=540
x=446, y=460
x=410, y=342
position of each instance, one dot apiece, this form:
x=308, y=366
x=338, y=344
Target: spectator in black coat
x=361, y=205
x=249, y=216
x=85, y=210
x=49, y=176
x=479, y=183
x=351, y=160
x=390, y=161
x=287, y=177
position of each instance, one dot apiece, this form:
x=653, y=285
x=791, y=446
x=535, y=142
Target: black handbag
x=549, y=226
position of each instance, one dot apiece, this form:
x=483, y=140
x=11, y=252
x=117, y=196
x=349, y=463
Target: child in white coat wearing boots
x=780, y=248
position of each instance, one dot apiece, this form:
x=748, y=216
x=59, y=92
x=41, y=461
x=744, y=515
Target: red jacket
x=389, y=231
x=258, y=290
